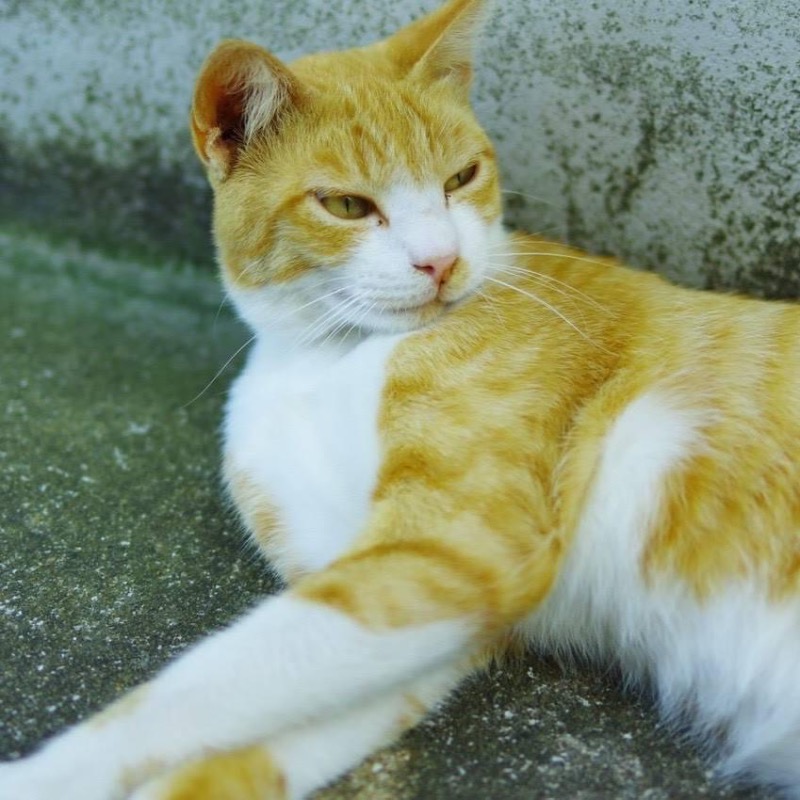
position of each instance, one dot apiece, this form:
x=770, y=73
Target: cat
x=449, y=439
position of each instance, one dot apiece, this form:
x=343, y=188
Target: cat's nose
x=439, y=268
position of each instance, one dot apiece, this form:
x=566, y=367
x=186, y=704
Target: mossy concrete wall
x=665, y=132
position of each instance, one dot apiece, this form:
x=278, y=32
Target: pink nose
x=438, y=268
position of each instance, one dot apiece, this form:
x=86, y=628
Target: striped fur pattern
x=448, y=438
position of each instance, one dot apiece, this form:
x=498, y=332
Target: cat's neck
x=281, y=347
x=293, y=334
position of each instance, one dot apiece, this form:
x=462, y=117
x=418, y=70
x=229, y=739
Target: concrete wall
x=665, y=131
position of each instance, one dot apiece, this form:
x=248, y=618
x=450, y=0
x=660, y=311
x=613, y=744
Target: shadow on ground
x=117, y=550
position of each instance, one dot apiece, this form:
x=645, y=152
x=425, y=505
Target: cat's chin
x=403, y=320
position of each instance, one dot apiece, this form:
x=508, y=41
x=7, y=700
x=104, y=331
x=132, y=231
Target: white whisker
x=546, y=305
x=340, y=325
x=332, y=313
x=530, y=197
x=287, y=313
x=528, y=253
x=316, y=300
x=332, y=317
x=219, y=372
x=491, y=303
x=366, y=311
x=316, y=328
x=248, y=270
x=565, y=289
x=222, y=302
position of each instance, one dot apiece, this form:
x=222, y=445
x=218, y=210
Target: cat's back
x=635, y=328
x=678, y=489
x=556, y=325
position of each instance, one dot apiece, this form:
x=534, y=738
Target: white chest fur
x=304, y=429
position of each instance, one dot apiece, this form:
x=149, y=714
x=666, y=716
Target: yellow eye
x=461, y=178
x=347, y=206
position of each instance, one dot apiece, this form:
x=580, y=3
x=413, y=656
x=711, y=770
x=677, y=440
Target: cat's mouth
x=436, y=303
x=414, y=315
x=440, y=302
x=410, y=317
x=385, y=318
x=371, y=312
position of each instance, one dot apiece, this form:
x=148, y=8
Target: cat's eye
x=461, y=178
x=347, y=206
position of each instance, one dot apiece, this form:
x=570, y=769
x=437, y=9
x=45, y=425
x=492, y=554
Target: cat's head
x=355, y=188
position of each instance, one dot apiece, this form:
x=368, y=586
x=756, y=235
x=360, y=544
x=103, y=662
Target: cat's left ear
x=441, y=45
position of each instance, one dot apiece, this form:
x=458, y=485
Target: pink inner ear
x=225, y=132
x=233, y=74
x=230, y=115
x=220, y=152
x=218, y=137
x=216, y=114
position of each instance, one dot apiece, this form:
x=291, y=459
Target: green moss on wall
x=152, y=208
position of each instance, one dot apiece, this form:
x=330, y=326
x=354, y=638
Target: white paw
x=43, y=778
x=18, y=781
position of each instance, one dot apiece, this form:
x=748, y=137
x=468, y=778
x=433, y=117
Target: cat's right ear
x=440, y=45
x=241, y=91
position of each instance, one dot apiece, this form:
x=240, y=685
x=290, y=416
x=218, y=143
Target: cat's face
x=369, y=199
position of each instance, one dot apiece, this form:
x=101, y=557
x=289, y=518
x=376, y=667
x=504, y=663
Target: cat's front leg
x=287, y=662
x=295, y=764
x=80, y=763
x=392, y=611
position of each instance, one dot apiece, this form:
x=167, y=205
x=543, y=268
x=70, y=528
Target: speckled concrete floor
x=116, y=548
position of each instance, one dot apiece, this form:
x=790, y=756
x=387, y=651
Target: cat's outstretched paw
x=20, y=780
x=50, y=776
x=7, y=780
x=247, y=774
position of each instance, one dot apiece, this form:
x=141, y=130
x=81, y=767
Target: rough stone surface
x=115, y=547
x=667, y=133
x=117, y=550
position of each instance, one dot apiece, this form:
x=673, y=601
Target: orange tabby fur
x=491, y=433
x=495, y=413
x=723, y=518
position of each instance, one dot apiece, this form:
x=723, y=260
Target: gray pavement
x=117, y=548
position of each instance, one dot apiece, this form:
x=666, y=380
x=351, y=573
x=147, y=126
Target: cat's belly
x=303, y=434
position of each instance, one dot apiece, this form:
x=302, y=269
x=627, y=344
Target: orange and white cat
x=447, y=439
